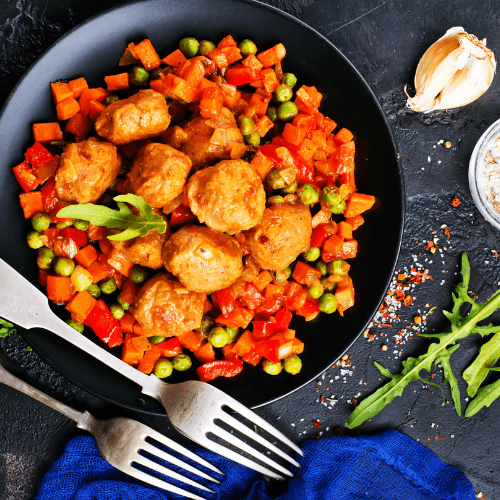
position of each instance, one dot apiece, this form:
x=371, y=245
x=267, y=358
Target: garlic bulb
x=453, y=72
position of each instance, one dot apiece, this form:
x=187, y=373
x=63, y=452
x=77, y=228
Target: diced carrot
x=95, y=94
x=192, y=71
x=95, y=109
x=31, y=203
x=129, y=291
x=263, y=125
x=147, y=54
x=97, y=271
x=96, y=232
x=148, y=361
x=59, y=289
x=105, y=245
x=174, y=87
x=345, y=296
x=343, y=136
x=231, y=95
x=120, y=262
x=355, y=221
x=252, y=62
x=294, y=134
x=175, y=59
x=67, y=108
x=205, y=353
x=262, y=164
x=79, y=125
x=233, y=54
x=308, y=99
x=259, y=101
x=263, y=279
x=344, y=229
x=77, y=86
x=127, y=323
x=80, y=305
x=60, y=91
x=46, y=132
x=298, y=346
x=130, y=354
x=218, y=57
x=302, y=271
x=86, y=256
x=117, y=82
x=211, y=102
x=244, y=344
x=227, y=41
x=333, y=244
x=191, y=340
x=272, y=56
x=141, y=343
x=138, y=330
x=358, y=203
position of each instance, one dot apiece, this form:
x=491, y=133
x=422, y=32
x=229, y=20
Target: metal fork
x=192, y=407
x=119, y=441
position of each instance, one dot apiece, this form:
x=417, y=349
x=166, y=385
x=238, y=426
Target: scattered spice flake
x=448, y=144
x=481, y=496
x=428, y=245
x=455, y=202
x=401, y=276
x=446, y=231
x=407, y=300
x=384, y=348
x=316, y=423
x=494, y=254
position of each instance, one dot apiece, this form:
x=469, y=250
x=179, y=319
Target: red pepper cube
x=104, y=324
x=219, y=368
x=37, y=155
x=25, y=176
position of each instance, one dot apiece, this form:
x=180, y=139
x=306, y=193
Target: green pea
x=252, y=139
x=207, y=323
x=44, y=258
x=291, y=188
x=283, y=93
x=338, y=209
x=138, y=275
x=63, y=266
x=138, y=76
x=275, y=200
x=94, y=290
x=315, y=291
x=40, y=221
x=110, y=99
x=189, y=46
x=337, y=267
x=205, y=47
x=246, y=125
x=157, y=339
x=82, y=225
x=125, y=305
x=117, y=311
x=75, y=325
x=272, y=113
x=232, y=333
x=309, y=194
x=182, y=362
x=163, y=368
x=327, y=303
x=292, y=364
x=108, y=285
x=272, y=368
x=34, y=240
x=312, y=254
x=322, y=267
x=287, y=111
x=218, y=337
x=275, y=180
x=331, y=195
x=289, y=79
x=64, y=223
x=247, y=47
x=328, y=285
x=156, y=73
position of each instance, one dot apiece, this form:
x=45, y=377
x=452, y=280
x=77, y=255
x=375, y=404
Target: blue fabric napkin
x=387, y=466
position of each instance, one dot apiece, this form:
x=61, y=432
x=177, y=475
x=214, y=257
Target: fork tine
x=236, y=424
x=183, y=451
x=235, y=441
x=253, y=417
x=139, y=459
x=142, y=476
x=173, y=460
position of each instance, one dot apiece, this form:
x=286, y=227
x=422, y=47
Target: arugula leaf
x=123, y=218
x=438, y=352
x=6, y=328
x=485, y=396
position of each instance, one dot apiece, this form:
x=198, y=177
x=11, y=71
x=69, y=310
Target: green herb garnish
x=440, y=352
x=123, y=218
x=6, y=328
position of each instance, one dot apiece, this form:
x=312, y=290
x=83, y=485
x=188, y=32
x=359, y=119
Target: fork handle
x=12, y=381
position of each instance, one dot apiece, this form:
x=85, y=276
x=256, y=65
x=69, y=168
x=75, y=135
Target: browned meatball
x=145, y=250
x=141, y=116
x=198, y=145
x=282, y=234
x=165, y=307
x=158, y=174
x=203, y=260
x=227, y=197
x=86, y=169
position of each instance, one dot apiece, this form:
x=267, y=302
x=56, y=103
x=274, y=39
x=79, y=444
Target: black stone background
x=384, y=40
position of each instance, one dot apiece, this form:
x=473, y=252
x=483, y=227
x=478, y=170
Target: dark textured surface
x=384, y=40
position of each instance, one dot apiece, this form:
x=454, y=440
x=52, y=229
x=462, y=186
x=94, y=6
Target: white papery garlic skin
x=453, y=72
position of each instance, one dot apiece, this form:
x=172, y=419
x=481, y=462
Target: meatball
x=165, y=307
x=197, y=144
x=158, y=174
x=86, y=169
x=141, y=116
x=146, y=250
x=228, y=197
x=203, y=260
x=282, y=234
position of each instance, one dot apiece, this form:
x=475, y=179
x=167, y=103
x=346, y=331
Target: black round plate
x=93, y=50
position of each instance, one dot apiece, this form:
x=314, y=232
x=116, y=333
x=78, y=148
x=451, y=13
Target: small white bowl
x=483, y=175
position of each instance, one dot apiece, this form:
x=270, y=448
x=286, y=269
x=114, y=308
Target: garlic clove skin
x=454, y=71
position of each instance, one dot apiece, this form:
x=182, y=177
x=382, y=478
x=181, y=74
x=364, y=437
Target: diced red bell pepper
x=283, y=319
x=239, y=317
x=218, y=368
x=271, y=305
x=169, y=348
x=242, y=76
x=182, y=215
x=309, y=310
x=251, y=296
x=53, y=213
x=37, y=155
x=225, y=300
x=268, y=349
x=302, y=270
x=296, y=297
x=253, y=358
x=305, y=173
x=25, y=176
x=104, y=325
x=77, y=235
x=227, y=352
x=49, y=195
x=319, y=235
x=262, y=330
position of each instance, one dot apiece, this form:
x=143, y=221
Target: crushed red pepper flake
x=455, y=202
x=407, y=300
x=446, y=231
x=494, y=254
x=428, y=245
x=316, y=423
